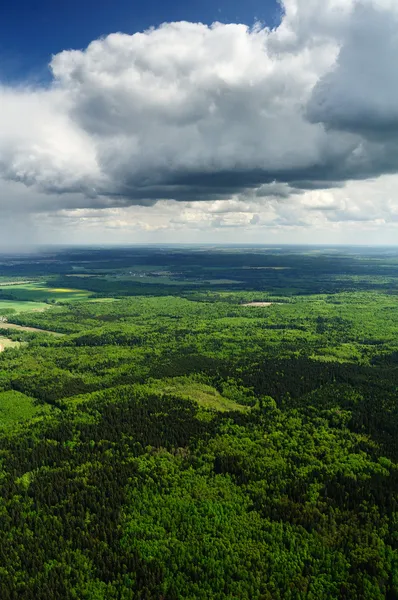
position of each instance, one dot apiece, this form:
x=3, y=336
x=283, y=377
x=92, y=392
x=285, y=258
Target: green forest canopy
x=173, y=443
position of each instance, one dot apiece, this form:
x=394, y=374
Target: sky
x=202, y=122
x=31, y=31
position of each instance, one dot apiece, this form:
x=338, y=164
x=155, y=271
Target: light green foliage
x=16, y=407
x=345, y=329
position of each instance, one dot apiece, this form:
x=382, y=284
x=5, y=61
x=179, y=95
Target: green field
x=40, y=292
x=21, y=306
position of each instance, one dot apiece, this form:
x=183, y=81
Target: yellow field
x=59, y=290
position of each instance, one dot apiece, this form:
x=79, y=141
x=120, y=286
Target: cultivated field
x=40, y=292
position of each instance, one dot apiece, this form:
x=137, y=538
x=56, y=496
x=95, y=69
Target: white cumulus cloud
x=224, y=114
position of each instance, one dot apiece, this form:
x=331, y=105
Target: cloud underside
x=193, y=113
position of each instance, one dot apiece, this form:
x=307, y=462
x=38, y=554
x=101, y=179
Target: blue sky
x=32, y=30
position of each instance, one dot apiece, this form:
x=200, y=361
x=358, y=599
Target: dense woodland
x=173, y=441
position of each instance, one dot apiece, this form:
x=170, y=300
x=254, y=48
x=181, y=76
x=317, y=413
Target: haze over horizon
x=228, y=123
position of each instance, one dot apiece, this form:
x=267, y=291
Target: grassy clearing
x=15, y=407
x=6, y=343
x=258, y=304
x=203, y=394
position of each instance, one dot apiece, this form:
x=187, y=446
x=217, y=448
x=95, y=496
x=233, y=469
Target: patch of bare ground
x=23, y=328
x=5, y=283
x=7, y=343
x=258, y=304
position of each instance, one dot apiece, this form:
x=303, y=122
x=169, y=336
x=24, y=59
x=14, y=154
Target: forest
x=199, y=423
